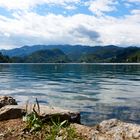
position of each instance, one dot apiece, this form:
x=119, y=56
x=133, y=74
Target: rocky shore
x=11, y=115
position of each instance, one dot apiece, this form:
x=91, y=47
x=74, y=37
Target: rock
x=11, y=112
x=7, y=100
x=107, y=125
x=109, y=130
x=46, y=113
x=84, y=131
x=118, y=130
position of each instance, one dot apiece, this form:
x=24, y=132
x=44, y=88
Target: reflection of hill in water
x=103, y=111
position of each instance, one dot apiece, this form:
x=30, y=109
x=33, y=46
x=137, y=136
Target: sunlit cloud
x=68, y=22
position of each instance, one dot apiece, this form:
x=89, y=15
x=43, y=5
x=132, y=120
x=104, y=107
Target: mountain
x=130, y=54
x=134, y=57
x=4, y=59
x=124, y=55
x=73, y=51
x=43, y=56
x=69, y=53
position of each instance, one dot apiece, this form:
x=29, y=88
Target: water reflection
x=105, y=111
x=98, y=91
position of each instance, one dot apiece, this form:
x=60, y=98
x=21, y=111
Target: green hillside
x=130, y=54
x=4, y=59
x=108, y=54
x=43, y=56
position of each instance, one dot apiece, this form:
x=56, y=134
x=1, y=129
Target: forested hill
x=73, y=51
x=68, y=53
x=4, y=59
x=130, y=54
x=43, y=56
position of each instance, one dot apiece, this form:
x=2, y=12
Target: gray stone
x=7, y=100
x=47, y=113
x=118, y=130
x=107, y=125
x=109, y=130
x=11, y=112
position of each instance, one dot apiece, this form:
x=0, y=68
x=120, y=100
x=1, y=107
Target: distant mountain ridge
x=43, y=56
x=70, y=50
x=126, y=55
x=4, y=59
x=72, y=53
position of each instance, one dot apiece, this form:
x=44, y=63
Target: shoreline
x=11, y=113
x=71, y=63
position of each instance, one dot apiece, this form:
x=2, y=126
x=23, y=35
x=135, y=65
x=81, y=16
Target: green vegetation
x=108, y=54
x=4, y=59
x=135, y=57
x=52, y=130
x=43, y=56
x=47, y=56
x=127, y=55
x=62, y=131
x=33, y=122
x=32, y=119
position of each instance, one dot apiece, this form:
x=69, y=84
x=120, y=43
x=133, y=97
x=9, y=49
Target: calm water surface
x=98, y=91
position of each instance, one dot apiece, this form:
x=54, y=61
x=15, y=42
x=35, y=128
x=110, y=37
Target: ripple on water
x=98, y=91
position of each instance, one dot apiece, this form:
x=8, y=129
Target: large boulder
x=46, y=113
x=117, y=130
x=11, y=112
x=7, y=100
x=109, y=130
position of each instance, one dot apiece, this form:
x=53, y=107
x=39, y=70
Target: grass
x=53, y=130
x=65, y=133
x=33, y=123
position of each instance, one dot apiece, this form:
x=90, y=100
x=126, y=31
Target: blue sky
x=85, y=22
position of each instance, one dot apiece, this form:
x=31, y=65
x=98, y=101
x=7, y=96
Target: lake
x=98, y=91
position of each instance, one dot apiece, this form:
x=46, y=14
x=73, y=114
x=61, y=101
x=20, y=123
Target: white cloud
x=30, y=28
x=133, y=0
x=98, y=7
x=135, y=12
x=129, y=3
x=70, y=7
x=27, y=4
x=27, y=28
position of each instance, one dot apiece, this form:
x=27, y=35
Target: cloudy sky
x=86, y=22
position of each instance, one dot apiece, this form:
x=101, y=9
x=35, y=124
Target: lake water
x=98, y=91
